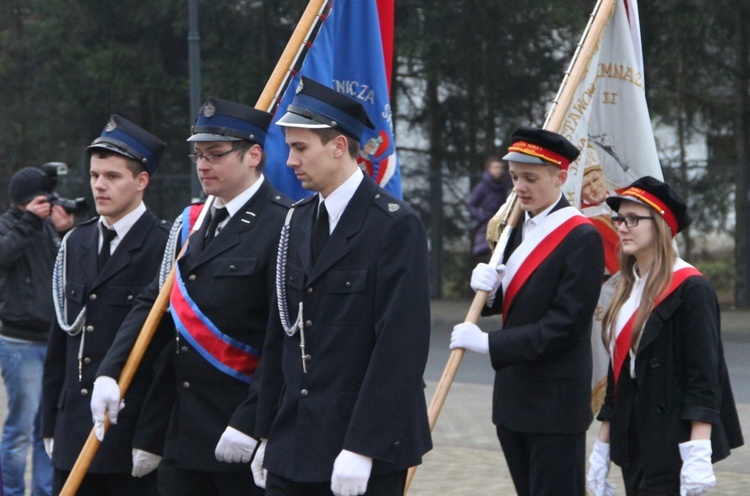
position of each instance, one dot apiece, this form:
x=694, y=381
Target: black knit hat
x=28, y=183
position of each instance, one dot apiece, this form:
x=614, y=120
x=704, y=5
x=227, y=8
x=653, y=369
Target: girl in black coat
x=669, y=411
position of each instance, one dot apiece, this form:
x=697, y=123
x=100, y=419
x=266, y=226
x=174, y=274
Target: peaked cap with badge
x=130, y=140
x=531, y=145
x=316, y=106
x=222, y=120
x=658, y=195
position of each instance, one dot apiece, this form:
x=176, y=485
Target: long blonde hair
x=659, y=276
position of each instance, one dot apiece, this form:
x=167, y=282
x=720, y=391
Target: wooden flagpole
x=293, y=47
x=579, y=65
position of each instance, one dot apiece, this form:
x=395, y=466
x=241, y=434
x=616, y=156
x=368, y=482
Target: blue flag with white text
x=346, y=55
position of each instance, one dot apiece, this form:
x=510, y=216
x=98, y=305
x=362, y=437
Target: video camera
x=79, y=207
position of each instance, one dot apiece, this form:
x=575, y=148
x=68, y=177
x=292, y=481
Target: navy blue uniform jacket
x=367, y=329
x=108, y=297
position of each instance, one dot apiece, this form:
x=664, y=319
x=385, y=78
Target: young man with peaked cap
x=341, y=404
x=102, y=266
x=219, y=304
x=30, y=233
x=546, y=289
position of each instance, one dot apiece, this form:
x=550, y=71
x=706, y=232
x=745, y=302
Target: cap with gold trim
x=658, y=195
x=530, y=145
x=129, y=140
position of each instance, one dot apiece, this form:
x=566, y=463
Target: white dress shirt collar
x=338, y=200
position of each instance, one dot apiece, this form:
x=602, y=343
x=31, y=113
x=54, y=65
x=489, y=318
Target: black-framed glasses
x=630, y=220
x=211, y=158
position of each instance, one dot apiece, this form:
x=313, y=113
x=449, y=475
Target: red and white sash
x=624, y=328
x=234, y=358
x=535, y=249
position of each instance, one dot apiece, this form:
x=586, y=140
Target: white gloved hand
x=235, y=447
x=144, y=462
x=351, y=472
x=596, y=479
x=105, y=400
x=49, y=446
x=485, y=278
x=470, y=337
x=259, y=473
x=697, y=474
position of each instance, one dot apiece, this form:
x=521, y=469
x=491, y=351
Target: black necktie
x=320, y=231
x=108, y=234
x=219, y=215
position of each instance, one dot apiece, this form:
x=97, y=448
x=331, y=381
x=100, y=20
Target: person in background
x=546, y=289
x=485, y=200
x=103, y=265
x=30, y=233
x=669, y=412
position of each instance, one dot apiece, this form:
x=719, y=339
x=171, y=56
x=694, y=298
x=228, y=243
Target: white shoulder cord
x=281, y=257
x=59, y=280
x=169, y=251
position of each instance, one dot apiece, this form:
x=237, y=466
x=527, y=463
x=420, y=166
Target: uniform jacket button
x=84, y=392
x=130, y=298
x=87, y=361
x=308, y=323
x=191, y=277
x=184, y=349
x=89, y=328
x=232, y=268
x=304, y=393
x=348, y=284
x=309, y=290
x=653, y=363
x=92, y=297
x=185, y=385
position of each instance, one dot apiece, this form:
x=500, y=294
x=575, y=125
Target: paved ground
x=467, y=459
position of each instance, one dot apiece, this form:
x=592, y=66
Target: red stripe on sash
x=622, y=343
x=538, y=255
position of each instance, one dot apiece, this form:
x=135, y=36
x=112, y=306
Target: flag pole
x=265, y=101
x=511, y=210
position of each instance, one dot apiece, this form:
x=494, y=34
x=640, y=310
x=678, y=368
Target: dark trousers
x=390, y=484
x=174, y=481
x=108, y=484
x=545, y=464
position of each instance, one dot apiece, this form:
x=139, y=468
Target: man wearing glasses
x=210, y=349
x=546, y=289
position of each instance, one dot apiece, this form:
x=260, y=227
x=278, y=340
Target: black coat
x=230, y=281
x=367, y=330
x=681, y=376
x=542, y=356
x=108, y=297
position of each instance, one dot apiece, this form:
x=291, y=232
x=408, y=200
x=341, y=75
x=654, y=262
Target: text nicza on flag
x=347, y=54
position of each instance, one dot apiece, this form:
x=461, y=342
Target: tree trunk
x=742, y=134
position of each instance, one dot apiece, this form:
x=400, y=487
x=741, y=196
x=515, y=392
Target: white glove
x=105, y=400
x=235, y=447
x=596, y=479
x=144, y=462
x=351, y=471
x=697, y=474
x=485, y=278
x=259, y=473
x=49, y=446
x=470, y=337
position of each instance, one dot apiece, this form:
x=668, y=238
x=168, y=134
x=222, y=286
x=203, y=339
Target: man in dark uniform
x=550, y=279
x=342, y=404
x=219, y=305
x=102, y=266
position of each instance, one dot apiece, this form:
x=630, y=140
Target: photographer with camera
x=30, y=233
